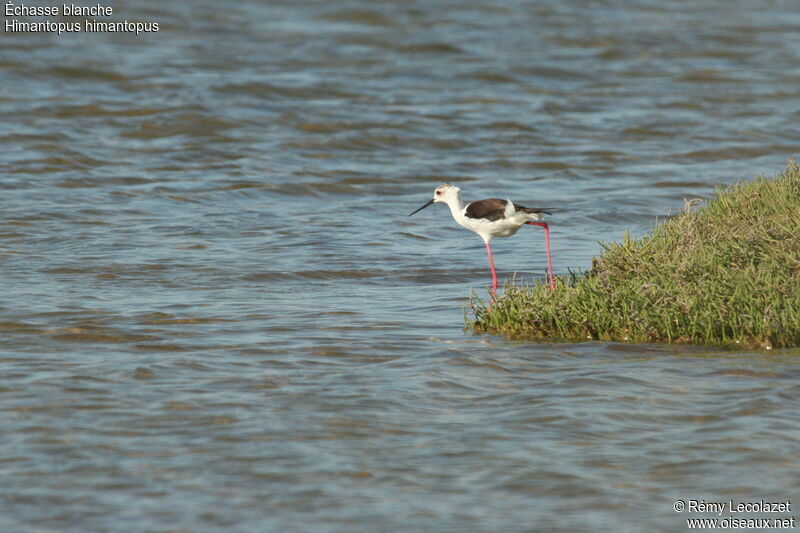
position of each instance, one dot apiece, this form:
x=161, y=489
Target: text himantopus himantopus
x=492, y=217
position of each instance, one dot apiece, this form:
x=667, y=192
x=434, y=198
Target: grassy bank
x=726, y=273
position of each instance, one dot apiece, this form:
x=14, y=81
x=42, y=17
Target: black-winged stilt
x=492, y=217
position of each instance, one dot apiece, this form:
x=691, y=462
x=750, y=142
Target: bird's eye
x=438, y=193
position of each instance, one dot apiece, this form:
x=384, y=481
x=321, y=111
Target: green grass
x=726, y=274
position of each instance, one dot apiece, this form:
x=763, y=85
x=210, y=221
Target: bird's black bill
x=421, y=208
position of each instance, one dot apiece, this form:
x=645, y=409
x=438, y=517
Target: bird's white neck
x=456, y=207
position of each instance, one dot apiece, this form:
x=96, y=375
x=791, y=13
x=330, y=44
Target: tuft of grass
x=724, y=274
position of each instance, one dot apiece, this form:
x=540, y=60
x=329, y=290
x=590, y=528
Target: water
x=216, y=315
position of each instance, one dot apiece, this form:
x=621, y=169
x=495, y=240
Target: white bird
x=492, y=217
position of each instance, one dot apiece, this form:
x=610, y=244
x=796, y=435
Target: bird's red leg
x=491, y=265
x=547, y=247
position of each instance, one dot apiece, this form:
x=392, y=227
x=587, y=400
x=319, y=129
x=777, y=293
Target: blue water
x=217, y=316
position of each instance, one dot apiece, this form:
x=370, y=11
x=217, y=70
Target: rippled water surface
x=216, y=315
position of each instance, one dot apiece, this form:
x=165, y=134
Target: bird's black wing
x=490, y=209
x=536, y=210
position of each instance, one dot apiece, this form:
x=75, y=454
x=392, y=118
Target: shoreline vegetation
x=727, y=273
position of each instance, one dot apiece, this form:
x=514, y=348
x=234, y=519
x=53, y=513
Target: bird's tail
x=539, y=210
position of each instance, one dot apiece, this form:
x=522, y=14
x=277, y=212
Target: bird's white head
x=445, y=193
x=449, y=194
